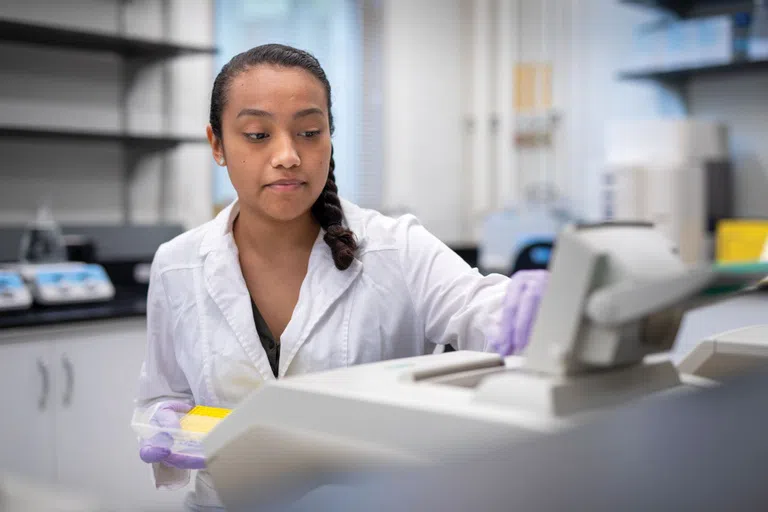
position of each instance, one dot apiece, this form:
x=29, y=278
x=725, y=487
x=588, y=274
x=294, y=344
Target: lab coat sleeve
x=457, y=304
x=161, y=377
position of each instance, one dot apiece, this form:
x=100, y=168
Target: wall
x=40, y=86
x=600, y=42
x=423, y=132
x=448, y=70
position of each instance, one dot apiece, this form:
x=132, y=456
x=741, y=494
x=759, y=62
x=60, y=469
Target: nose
x=285, y=154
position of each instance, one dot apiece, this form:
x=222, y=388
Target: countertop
x=128, y=302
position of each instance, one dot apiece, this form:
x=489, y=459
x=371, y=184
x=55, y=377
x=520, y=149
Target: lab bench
x=128, y=302
x=69, y=391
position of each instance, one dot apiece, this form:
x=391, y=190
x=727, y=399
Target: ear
x=217, y=148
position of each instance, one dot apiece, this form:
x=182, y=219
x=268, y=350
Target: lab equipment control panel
x=68, y=283
x=14, y=294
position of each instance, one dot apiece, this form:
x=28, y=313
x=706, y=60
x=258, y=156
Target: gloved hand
x=158, y=447
x=521, y=305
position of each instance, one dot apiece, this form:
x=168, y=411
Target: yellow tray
x=202, y=419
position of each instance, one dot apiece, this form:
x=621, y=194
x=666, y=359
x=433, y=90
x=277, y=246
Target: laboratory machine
x=14, y=293
x=67, y=282
x=522, y=238
x=691, y=451
x=728, y=354
x=616, y=297
x=45, y=271
x=675, y=173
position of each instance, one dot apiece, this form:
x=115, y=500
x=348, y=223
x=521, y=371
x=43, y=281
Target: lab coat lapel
x=322, y=287
x=226, y=286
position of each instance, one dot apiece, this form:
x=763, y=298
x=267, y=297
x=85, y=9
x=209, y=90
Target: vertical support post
x=506, y=179
x=481, y=72
x=165, y=168
x=128, y=157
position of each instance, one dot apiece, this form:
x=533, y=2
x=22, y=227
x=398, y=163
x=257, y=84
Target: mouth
x=286, y=185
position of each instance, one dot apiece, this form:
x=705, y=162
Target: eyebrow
x=263, y=113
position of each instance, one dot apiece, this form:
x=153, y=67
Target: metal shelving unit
x=683, y=74
x=146, y=141
x=135, y=54
x=676, y=79
x=47, y=35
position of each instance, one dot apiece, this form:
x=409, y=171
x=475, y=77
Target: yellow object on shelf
x=740, y=241
x=202, y=418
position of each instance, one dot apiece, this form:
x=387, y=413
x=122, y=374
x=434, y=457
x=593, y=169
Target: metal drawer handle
x=70, y=373
x=43, y=400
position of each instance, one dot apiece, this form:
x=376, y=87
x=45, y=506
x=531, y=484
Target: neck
x=272, y=239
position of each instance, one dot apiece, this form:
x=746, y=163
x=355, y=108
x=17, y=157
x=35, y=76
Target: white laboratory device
x=14, y=294
x=616, y=294
x=67, y=283
x=728, y=354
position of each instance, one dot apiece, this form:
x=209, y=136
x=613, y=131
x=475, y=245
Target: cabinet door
x=97, y=452
x=26, y=408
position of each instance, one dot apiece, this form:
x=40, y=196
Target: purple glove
x=521, y=304
x=158, y=447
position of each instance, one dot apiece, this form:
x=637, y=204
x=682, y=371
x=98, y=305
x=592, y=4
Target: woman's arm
x=161, y=380
x=457, y=304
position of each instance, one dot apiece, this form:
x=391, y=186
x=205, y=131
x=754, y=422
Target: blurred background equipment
x=758, y=33
x=675, y=174
x=42, y=241
x=45, y=267
x=522, y=238
x=14, y=293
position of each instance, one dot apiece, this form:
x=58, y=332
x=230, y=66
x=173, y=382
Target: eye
x=256, y=136
x=310, y=134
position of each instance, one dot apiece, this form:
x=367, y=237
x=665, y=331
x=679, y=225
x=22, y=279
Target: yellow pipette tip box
x=740, y=240
x=202, y=419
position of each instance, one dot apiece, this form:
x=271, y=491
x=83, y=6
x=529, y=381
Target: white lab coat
x=405, y=293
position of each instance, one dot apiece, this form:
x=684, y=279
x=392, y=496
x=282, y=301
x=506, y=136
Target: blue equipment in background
x=523, y=238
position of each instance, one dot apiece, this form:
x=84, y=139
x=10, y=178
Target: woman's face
x=276, y=140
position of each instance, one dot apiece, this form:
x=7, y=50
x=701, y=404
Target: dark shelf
x=683, y=74
x=679, y=7
x=143, y=141
x=20, y=32
x=685, y=8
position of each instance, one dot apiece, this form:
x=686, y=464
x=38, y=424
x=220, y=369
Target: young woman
x=290, y=278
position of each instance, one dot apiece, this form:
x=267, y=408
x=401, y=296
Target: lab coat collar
x=322, y=287
x=221, y=227
x=218, y=230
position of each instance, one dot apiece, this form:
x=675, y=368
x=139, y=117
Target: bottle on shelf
x=42, y=241
x=758, y=34
x=741, y=31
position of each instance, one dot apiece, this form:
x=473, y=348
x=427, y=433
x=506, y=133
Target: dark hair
x=327, y=209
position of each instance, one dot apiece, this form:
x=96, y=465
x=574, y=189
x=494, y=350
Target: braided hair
x=327, y=209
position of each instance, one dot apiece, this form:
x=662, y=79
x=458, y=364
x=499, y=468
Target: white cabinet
x=82, y=439
x=26, y=427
